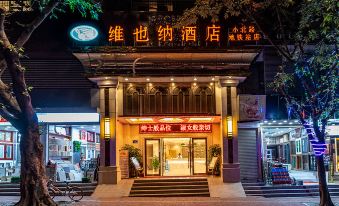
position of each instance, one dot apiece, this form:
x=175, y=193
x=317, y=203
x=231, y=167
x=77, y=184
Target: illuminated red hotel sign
x=174, y=128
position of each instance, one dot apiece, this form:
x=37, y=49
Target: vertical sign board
x=124, y=164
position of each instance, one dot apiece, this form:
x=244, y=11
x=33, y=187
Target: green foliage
x=132, y=152
x=76, y=146
x=155, y=162
x=85, y=180
x=15, y=179
x=215, y=151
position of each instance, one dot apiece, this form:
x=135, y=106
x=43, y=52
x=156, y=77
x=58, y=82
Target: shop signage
x=175, y=128
x=84, y=33
x=252, y=107
x=166, y=33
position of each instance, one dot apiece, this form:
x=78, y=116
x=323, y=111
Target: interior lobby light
x=200, y=119
x=194, y=84
x=107, y=128
x=211, y=83
x=172, y=79
x=126, y=79
x=195, y=79
x=170, y=120
x=213, y=79
x=147, y=79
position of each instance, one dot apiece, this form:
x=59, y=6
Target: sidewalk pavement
x=182, y=201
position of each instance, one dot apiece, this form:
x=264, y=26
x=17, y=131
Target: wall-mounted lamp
x=229, y=127
x=107, y=128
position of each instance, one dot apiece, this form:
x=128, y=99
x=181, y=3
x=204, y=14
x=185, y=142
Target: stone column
x=109, y=171
x=229, y=109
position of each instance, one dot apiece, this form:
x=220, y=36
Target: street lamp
x=229, y=127
x=107, y=128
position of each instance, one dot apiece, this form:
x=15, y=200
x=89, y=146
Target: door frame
x=192, y=154
x=145, y=157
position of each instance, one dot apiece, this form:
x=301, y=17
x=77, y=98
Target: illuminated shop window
x=16, y=5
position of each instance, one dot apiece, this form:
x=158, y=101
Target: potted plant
x=215, y=151
x=155, y=163
x=132, y=152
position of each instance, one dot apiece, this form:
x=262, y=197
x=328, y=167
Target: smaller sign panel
x=175, y=128
x=252, y=107
x=243, y=33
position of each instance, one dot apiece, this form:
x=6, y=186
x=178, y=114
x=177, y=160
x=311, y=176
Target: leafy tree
x=16, y=105
x=311, y=53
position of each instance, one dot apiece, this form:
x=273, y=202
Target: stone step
x=206, y=194
x=170, y=191
x=161, y=187
x=169, y=183
x=170, y=187
x=171, y=180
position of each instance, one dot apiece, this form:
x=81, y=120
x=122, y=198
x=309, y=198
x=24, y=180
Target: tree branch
x=7, y=98
x=9, y=117
x=3, y=37
x=25, y=35
x=280, y=50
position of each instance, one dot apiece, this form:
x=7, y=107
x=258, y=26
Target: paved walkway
x=175, y=201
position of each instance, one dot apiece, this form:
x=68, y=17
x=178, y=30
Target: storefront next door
x=175, y=156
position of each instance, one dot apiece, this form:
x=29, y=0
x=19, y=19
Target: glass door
x=176, y=156
x=152, y=159
x=199, y=151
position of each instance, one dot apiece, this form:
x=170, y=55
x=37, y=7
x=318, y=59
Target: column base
x=231, y=172
x=109, y=175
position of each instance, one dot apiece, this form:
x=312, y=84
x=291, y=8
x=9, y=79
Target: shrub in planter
x=15, y=180
x=85, y=180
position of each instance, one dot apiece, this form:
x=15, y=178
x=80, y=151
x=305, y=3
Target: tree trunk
x=33, y=184
x=325, y=198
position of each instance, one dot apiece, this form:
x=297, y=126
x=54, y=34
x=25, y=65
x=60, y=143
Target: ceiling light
x=270, y=123
x=150, y=84
x=172, y=79
x=213, y=79
x=290, y=123
x=126, y=79
x=285, y=121
x=200, y=119
x=274, y=121
x=230, y=77
x=82, y=127
x=194, y=84
x=93, y=129
x=279, y=123
x=211, y=83
x=195, y=79
x=296, y=121
x=173, y=84
x=265, y=121
x=147, y=79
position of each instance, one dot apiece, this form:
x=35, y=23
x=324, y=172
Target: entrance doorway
x=175, y=156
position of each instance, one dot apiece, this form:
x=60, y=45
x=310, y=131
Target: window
x=9, y=151
x=6, y=152
x=2, y=151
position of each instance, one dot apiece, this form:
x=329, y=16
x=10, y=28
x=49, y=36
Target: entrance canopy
x=229, y=62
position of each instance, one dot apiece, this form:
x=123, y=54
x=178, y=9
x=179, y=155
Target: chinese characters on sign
x=141, y=34
x=243, y=33
x=189, y=33
x=116, y=34
x=165, y=33
x=175, y=128
x=213, y=33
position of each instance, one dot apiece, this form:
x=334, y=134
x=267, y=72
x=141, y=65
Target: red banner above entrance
x=174, y=128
